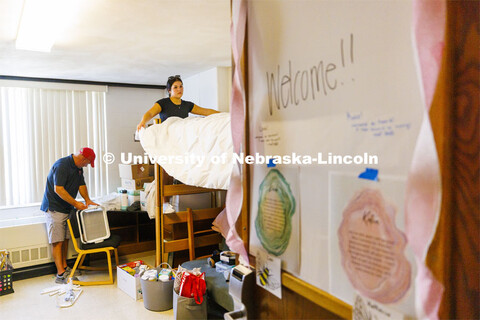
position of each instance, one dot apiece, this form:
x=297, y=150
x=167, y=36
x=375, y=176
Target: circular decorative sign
x=372, y=248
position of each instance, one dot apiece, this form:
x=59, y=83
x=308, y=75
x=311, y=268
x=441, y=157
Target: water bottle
x=124, y=199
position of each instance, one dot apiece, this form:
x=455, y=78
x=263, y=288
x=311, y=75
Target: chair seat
x=113, y=241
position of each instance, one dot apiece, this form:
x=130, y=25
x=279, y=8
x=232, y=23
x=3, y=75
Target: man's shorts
x=57, y=229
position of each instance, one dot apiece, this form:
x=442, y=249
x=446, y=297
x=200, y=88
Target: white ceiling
x=125, y=41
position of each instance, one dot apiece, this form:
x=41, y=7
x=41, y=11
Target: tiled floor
x=95, y=302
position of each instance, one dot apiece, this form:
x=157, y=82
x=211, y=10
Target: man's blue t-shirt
x=170, y=109
x=66, y=174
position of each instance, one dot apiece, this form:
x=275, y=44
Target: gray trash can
x=157, y=295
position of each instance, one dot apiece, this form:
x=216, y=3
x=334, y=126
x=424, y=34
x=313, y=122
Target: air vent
x=27, y=256
x=15, y=256
x=43, y=252
x=34, y=254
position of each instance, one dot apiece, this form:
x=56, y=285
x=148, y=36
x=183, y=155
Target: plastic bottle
x=124, y=199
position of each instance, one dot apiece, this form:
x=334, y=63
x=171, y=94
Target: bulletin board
x=333, y=90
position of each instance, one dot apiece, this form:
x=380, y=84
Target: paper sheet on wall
x=326, y=79
x=269, y=275
x=364, y=309
x=369, y=252
x=275, y=217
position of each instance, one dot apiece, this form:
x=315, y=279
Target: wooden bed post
x=157, y=216
x=161, y=193
x=158, y=239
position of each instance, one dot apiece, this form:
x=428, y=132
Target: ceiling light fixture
x=41, y=23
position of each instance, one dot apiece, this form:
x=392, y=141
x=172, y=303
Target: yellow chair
x=107, y=246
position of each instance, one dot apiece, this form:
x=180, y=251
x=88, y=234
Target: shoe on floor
x=62, y=279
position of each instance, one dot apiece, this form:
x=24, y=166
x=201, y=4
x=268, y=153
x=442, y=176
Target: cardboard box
x=135, y=184
x=134, y=171
x=128, y=283
x=143, y=201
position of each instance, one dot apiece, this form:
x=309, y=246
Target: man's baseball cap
x=89, y=154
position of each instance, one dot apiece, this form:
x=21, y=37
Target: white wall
x=210, y=89
x=224, y=88
x=125, y=108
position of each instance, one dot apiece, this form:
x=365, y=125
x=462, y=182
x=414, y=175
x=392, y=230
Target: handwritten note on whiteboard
x=386, y=126
x=334, y=78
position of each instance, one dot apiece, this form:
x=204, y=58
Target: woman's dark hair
x=170, y=82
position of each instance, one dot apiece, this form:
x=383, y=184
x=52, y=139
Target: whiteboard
x=332, y=80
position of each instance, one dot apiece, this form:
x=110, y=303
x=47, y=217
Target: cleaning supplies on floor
x=150, y=275
x=69, y=297
x=65, y=295
x=157, y=287
x=159, y=274
x=128, y=278
x=135, y=269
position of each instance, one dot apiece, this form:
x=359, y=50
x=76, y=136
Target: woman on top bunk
x=173, y=106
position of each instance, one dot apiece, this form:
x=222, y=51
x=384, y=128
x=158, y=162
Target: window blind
x=39, y=126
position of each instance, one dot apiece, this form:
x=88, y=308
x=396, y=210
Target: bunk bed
x=210, y=136
x=165, y=223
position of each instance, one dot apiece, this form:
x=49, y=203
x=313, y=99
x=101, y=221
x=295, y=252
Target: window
x=41, y=123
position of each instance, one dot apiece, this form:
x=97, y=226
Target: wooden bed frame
x=195, y=239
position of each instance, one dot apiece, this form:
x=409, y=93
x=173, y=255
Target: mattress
x=197, y=151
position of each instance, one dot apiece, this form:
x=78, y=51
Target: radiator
x=28, y=245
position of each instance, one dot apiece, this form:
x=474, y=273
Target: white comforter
x=197, y=151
